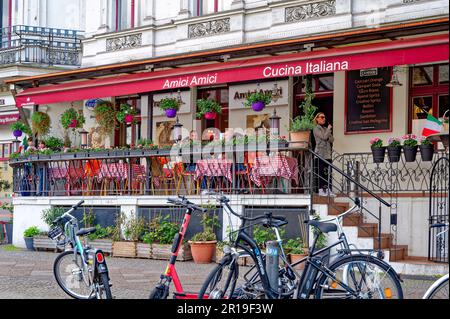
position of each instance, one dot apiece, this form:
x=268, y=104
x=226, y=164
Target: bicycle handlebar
x=439, y=225
x=57, y=220
x=184, y=202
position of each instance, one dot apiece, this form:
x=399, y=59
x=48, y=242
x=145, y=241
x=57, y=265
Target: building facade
x=139, y=52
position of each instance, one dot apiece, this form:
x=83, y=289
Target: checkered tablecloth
x=266, y=168
x=214, y=167
x=113, y=170
x=57, y=172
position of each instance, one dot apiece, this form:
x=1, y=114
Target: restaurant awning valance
x=398, y=52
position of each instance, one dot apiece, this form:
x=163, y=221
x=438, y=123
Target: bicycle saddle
x=323, y=227
x=85, y=231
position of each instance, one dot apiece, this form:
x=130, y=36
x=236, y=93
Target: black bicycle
x=349, y=275
x=81, y=271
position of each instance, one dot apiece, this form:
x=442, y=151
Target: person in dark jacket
x=323, y=135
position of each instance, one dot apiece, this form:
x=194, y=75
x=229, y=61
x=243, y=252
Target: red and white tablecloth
x=267, y=167
x=214, y=167
x=113, y=170
x=57, y=173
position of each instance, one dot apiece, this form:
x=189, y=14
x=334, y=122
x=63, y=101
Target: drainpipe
x=9, y=21
x=132, y=13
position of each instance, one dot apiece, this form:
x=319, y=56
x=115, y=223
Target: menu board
x=368, y=101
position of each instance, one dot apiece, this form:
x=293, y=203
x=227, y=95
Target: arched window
x=203, y=7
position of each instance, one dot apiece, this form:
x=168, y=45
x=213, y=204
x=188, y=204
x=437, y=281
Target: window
x=124, y=14
x=5, y=151
x=5, y=14
x=203, y=7
x=429, y=86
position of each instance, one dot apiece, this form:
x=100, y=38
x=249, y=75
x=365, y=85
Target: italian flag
x=432, y=126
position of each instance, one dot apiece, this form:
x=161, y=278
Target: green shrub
x=50, y=214
x=31, y=231
x=262, y=235
x=101, y=232
x=53, y=143
x=294, y=246
x=162, y=231
x=209, y=223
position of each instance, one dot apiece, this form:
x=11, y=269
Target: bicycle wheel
x=441, y=291
x=104, y=282
x=159, y=292
x=221, y=282
x=72, y=277
x=365, y=276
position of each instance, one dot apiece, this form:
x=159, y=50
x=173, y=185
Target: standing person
x=324, y=147
x=42, y=173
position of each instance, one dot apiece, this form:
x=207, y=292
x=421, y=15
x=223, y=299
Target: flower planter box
x=136, y=152
x=163, y=252
x=144, y=250
x=297, y=257
x=41, y=242
x=125, y=249
x=106, y=245
x=102, y=154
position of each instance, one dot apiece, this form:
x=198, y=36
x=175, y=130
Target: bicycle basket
x=55, y=232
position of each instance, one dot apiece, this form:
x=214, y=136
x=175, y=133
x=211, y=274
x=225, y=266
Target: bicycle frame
x=170, y=273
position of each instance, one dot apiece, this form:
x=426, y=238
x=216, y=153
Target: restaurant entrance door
x=221, y=95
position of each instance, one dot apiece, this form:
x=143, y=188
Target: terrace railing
x=39, y=45
x=276, y=170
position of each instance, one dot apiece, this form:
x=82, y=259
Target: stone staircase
x=364, y=235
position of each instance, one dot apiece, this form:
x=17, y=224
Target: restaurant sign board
x=239, y=93
x=368, y=101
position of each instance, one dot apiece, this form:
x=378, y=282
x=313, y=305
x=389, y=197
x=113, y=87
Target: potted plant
x=105, y=116
x=262, y=235
x=426, y=148
x=126, y=114
x=19, y=127
x=410, y=147
x=378, y=150
x=28, y=235
x=72, y=119
x=208, y=108
x=42, y=241
x=301, y=126
x=296, y=251
x=170, y=106
x=258, y=100
x=54, y=143
x=40, y=123
x=394, y=149
x=203, y=244
x=126, y=233
x=101, y=238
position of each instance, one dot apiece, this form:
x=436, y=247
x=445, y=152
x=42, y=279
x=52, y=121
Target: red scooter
x=161, y=291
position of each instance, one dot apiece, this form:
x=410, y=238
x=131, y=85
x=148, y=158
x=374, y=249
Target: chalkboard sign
x=368, y=102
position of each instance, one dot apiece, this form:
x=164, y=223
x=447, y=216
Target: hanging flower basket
x=126, y=114
x=19, y=128
x=208, y=108
x=40, y=123
x=258, y=100
x=17, y=133
x=73, y=119
x=105, y=116
x=170, y=106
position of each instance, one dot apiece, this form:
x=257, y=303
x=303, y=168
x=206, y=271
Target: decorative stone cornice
x=124, y=42
x=311, y=10
x=213, y=27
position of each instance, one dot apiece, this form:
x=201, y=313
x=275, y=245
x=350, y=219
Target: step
x=337, y=208
x=368, y=230
x=353, y=219
x=398, y=252
x=386, y=241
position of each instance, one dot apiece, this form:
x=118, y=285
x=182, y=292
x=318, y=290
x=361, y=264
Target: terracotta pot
x=301, y=136
x=203, y=251
x=171, y=113
x=258, y=106
x=297, y=257
x=17, y=133
x=210, y=115
x=378, y=154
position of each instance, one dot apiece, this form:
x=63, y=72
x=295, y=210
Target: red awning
x=399, y=52
x=9, y=118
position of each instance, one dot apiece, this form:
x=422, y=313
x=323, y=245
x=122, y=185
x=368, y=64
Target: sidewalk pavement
x=29, y=275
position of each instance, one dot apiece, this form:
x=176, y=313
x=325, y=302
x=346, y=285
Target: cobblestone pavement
x=28, y=275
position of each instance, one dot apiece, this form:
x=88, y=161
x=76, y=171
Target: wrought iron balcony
x=38, y=45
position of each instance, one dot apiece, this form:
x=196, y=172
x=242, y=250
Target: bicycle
x=161, y=291
x=345, y=276
x=439, y=289
x=81, y=272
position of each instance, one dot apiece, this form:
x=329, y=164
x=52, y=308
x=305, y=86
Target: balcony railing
x=276, y=170
x=48, y=46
